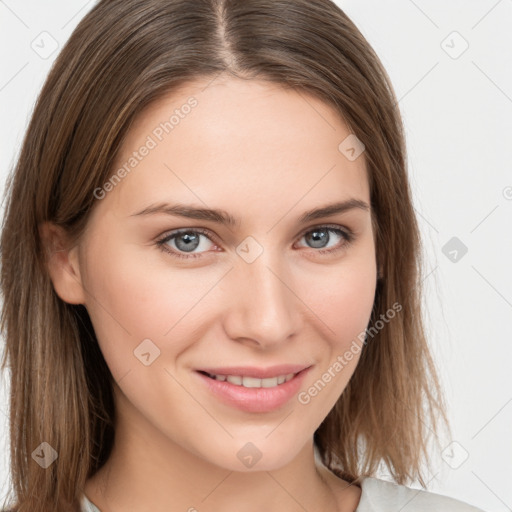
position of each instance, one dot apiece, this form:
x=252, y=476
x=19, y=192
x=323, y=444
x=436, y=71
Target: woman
x=211, y=270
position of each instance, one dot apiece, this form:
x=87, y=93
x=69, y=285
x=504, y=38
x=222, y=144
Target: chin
x=251, y=456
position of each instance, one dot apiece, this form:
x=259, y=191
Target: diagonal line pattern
x=424, y=14
x=493, y=287
x=492, y=81
x=425, y=219
x=198, y=301
x=417, y=83
x=14, y=76
x=217, y=486
x=302, y=96
x=301, y=300
x=300, y=199
x=99, y=303
x=431, y=272
x=13, y=13
x=508, y=507
x=231, y=64
x=75, y=15
x=184, y=184
x=492, y=211
x=492, y=418
x=197, y=401
x=418, y=491
x=485, y=15
x=118, y=381
x=434, y=434
x=285, y=490
x=279, y=424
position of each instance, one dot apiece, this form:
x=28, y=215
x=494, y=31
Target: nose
x=264, y=310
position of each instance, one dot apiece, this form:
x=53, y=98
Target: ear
x=62, y=263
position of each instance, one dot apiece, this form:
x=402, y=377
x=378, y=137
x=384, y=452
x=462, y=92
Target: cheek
x=342, y=303
x=135, y=296
x=341, y=297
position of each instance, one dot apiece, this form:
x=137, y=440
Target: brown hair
x=124, y=55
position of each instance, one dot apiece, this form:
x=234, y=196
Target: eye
x=320, y=237
x=184, y=241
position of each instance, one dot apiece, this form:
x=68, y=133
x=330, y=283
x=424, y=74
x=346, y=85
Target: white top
x=382, y=496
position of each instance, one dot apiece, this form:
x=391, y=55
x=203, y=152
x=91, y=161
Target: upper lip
x=257, y=373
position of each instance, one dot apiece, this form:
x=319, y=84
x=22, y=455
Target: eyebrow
x=223, y=217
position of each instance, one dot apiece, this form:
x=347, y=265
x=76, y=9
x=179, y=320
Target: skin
x=265, y=154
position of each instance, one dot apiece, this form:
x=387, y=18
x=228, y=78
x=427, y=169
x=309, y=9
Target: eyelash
x=161, y=243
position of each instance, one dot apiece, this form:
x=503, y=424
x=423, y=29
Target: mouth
x=252, y=389
x=253, y=377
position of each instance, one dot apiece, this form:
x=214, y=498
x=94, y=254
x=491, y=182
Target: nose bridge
x=265, y=308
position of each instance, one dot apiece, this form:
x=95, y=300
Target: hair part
x=123, y=56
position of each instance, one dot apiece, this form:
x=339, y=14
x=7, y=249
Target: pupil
x=190, y=241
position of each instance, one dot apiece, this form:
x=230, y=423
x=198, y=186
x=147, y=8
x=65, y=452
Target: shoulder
x=382, y=496
x=87, y=506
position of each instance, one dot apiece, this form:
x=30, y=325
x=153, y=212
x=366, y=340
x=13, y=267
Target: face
x=175, y=293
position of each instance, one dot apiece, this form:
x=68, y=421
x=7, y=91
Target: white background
x=457, y=113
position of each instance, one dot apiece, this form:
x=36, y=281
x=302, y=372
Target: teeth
x=234, y=379
x=252, y=382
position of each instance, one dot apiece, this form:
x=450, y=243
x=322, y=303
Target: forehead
x=240, y=145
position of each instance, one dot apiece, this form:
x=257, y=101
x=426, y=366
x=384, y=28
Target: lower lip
x=255, y=399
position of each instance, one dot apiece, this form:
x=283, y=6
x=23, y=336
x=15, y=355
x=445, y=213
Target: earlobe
x=62, y=264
